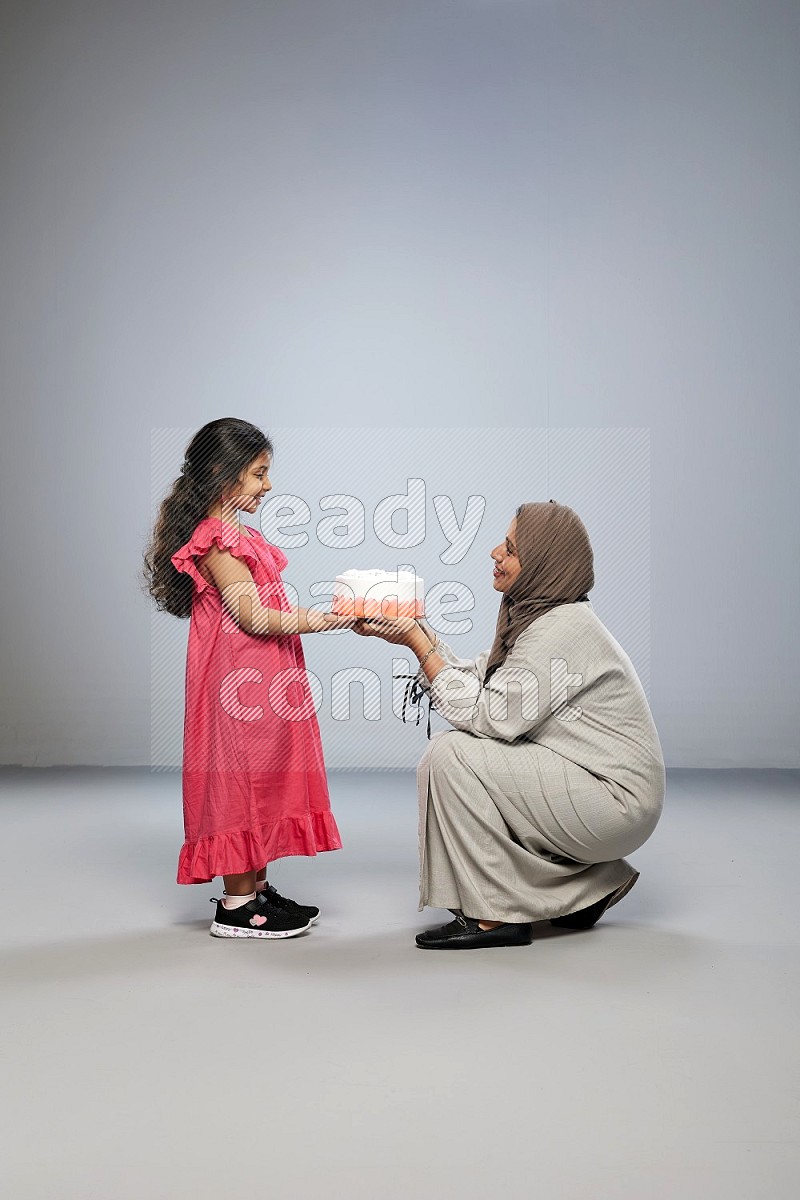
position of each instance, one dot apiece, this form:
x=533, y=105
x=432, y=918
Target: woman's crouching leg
x=480, y=848
x=466, y=848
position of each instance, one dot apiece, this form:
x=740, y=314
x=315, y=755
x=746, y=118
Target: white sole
x=235, y=931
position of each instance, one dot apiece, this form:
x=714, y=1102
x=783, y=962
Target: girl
x=254, y=784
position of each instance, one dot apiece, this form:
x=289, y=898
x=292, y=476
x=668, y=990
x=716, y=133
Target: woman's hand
x=401, y=631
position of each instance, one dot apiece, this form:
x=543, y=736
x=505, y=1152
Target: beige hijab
x=556, y=567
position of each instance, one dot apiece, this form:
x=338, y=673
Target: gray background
x=362, y=215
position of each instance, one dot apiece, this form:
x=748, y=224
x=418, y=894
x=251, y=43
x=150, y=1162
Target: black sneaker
x=255, y=920
x=282, y=904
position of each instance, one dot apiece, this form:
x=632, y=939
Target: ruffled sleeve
x=209, y=532
x=278, y=557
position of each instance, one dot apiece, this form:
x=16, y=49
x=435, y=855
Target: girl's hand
x=399, y=630
x=318, y=622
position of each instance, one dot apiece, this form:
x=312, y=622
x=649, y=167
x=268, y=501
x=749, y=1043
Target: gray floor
x=655, y=1055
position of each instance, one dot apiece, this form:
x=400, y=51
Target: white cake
x=379, y=593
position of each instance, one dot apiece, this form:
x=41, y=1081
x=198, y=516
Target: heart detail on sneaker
x=258, y=920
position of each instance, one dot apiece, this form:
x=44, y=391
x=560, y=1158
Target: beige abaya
x=548, y=776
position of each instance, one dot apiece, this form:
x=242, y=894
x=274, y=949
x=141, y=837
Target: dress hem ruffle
x=237, y=851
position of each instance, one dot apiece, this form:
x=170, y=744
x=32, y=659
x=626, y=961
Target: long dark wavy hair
x=216, y=458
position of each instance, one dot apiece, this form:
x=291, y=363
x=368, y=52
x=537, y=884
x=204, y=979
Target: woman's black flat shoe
x=585, y=918
x=464, y=933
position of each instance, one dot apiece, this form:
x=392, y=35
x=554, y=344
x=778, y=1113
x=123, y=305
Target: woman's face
x=254, y=483
x=506, y=560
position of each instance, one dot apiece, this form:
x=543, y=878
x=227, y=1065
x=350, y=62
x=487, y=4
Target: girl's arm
x=240, y=597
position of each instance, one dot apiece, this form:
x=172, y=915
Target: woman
x=552, y=770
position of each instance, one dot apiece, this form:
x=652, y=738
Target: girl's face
x=506, y=560
x=254, y=483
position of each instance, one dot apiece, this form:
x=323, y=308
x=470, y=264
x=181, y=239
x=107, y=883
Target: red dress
x=254, y=784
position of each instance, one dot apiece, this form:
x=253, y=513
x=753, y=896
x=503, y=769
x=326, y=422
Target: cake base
x=365, y=609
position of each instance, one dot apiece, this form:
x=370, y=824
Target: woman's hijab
x=556, y=567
